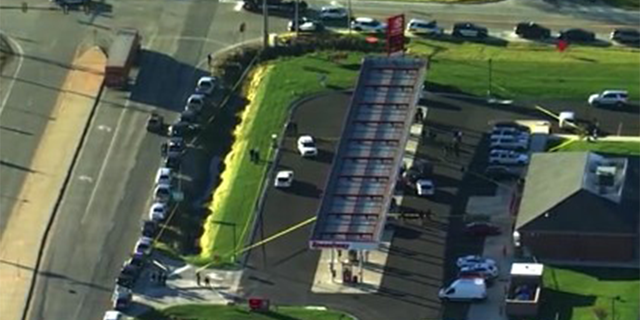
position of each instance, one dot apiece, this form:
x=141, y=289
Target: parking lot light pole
x=265, y=24
x=490, y=76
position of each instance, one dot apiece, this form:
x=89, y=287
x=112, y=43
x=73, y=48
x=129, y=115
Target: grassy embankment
x=214, y=312
x=519, y=70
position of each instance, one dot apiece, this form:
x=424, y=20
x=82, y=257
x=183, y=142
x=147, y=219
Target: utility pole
x=296, y=22
x=490, y=75
x=349, y=15
x=265, y=26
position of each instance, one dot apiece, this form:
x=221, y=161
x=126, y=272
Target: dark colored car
x=419, y=170
x=501, y=173
x=155, y=123
x=482, y=229
x=578, y=35
x=275, y=5
x=626, y=35
x=469, y=30
x=149, y=228
x=532, y=30
x=172, y=162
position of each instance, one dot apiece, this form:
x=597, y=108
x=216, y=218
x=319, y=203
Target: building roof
x=527, y=269
x=571, y=183
x=366, y=165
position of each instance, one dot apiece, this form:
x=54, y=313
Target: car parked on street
x=163, y=176
x=577, y=35
x=149, y=228
x=464, y=289
x=207, y=85
x=510, y=131
x=616, y=98
x=469, y=30
x=113, y=315
x=162, y=193
x=284, y=179
x=507, y=157
x=307, y=146
x=368, y=25
x=196, y=102
x=481, y=229
x=158, y=211
x=473, y=259
x=333, y=12
x=122, y=298
x=510, y=125
x=626, y=36
x=424, y=27
x=532, y=30
x=306, y=25
x=143, y=246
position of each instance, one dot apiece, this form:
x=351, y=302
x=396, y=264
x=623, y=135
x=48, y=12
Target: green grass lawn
x=287, y=80
x=574, y=292
x=613, y=147
x=526, y=70
x=212, y=312
x=519, y=70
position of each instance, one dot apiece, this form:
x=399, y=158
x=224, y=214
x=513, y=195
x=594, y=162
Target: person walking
x=206, y=281
x=198, y=278
x=209, y=59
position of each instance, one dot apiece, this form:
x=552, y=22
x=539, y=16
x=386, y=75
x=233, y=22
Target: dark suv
x=578, y=35
x=532, y=30
x=626, y=36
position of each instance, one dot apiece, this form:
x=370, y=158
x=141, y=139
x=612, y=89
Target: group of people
x=199, y=279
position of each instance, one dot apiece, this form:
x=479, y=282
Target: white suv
x=333, y=13
x=507, y=157
x=509, y=142
x=616, y=98
x=418, y=26
x=307, y=146
x=368, y=25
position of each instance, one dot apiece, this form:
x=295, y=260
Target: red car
x=482, y=229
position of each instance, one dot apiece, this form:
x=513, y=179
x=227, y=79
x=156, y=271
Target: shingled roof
x=560, y=187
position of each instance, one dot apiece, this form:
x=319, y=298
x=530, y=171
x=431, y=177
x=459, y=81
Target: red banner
x=395, y=34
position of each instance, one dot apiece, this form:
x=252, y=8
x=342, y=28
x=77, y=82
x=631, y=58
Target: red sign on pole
x=395, y=34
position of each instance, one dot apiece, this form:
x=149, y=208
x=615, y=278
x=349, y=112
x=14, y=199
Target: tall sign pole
x=395, y=35
x=265, y=25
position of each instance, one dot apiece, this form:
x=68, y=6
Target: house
x=579, y=206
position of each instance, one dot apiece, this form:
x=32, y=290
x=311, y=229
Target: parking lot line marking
x=547, y=112
x=562, y=145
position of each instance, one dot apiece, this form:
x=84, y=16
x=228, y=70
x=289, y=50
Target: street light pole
x=296, y=22
x=490, y=75
x=265, y=25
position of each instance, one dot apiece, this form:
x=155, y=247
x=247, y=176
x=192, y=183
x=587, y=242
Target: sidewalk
x=497, y=207
x=22, y=239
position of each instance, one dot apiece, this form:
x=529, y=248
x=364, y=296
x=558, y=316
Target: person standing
x=209, y=59
x=198, y=278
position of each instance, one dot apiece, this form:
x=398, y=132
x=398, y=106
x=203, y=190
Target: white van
x=464, y=289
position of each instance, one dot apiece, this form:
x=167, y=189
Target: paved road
x=110, y=188
x=29, y=87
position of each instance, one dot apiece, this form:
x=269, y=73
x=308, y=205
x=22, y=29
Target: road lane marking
x=15, y=73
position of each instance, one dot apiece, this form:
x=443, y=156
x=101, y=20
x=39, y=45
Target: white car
x=485, y=270
x=144, y=246
x=507, y=157
x=307, y=146
x=418, y=26
x=509, y=131
x=158, y=211
x=305, y=25
x=333, y=12
x=206, y=85
x=509, y=142
x=195, y=102
x=616, y=98
x=425, y=187
x=162, y=193
x=284, y=179
x=163, y=176
x=113, y=315
x=368, y=25
x=473, y=259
